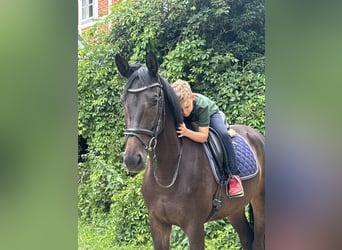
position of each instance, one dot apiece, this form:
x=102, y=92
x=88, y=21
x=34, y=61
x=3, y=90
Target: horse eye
x=154, y=101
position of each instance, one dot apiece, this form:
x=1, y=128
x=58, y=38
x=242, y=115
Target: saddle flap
x=217, y=149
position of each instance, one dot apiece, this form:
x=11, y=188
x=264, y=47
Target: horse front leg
x=161, y=233
x=195, y=233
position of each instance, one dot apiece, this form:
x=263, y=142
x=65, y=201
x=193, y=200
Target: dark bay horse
x=178, y=185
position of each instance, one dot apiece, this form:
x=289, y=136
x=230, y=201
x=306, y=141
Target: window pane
x=90, y=11
x=84, y=3
x=84, y=13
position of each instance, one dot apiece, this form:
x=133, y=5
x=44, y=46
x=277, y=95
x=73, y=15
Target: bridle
x=151, y=145
x=152, y=142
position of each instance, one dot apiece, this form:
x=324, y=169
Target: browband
x=156, y=84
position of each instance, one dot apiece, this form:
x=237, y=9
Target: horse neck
x=168, y=146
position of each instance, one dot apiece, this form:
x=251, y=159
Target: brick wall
x=103, y=8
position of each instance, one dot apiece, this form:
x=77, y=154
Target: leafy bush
x=129, y=214
x=239, y=93
x=220, y=235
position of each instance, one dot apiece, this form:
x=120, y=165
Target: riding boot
x=235, y=187
x=235, y=184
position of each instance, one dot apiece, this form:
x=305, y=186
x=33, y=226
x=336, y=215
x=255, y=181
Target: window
x=87, y=10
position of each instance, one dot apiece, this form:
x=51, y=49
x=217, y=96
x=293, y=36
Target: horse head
x=143, y=103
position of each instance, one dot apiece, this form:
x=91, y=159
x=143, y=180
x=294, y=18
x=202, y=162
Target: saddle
x=218, y=151
x=217, y=155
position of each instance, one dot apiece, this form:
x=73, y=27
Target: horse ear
x=123, y=66
x=152, y=63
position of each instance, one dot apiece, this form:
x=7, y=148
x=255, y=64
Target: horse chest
x=174, y=203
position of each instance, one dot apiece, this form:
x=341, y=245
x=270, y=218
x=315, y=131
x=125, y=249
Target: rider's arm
x=200, y=136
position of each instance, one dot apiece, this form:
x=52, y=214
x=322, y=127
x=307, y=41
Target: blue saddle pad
x=245, y=159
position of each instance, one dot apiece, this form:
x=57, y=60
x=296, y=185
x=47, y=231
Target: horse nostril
x=139, y=159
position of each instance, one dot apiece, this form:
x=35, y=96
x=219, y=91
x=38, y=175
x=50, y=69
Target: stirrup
x=235, y=196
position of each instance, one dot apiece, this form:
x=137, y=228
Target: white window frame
x=84, y=23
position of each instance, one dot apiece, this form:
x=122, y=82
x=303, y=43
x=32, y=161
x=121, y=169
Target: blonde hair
x=183, y=90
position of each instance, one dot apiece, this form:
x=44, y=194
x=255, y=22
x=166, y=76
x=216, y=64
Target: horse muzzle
x=135, y=161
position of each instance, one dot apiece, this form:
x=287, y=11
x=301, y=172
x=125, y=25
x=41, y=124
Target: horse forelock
x=131, y=79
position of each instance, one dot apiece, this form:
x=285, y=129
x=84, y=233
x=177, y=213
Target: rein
x=151, y=145
x=174, y=178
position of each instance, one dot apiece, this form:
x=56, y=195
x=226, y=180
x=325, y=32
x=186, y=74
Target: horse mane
x=172, y=101
x=170, y=95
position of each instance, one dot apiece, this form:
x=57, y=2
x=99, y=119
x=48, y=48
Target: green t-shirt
x=203, y=108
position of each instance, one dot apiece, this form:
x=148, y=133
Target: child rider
x=203, y=111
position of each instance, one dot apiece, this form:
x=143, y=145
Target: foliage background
x=218, y=46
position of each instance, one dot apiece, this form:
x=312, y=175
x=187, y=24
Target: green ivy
x=130, y=215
